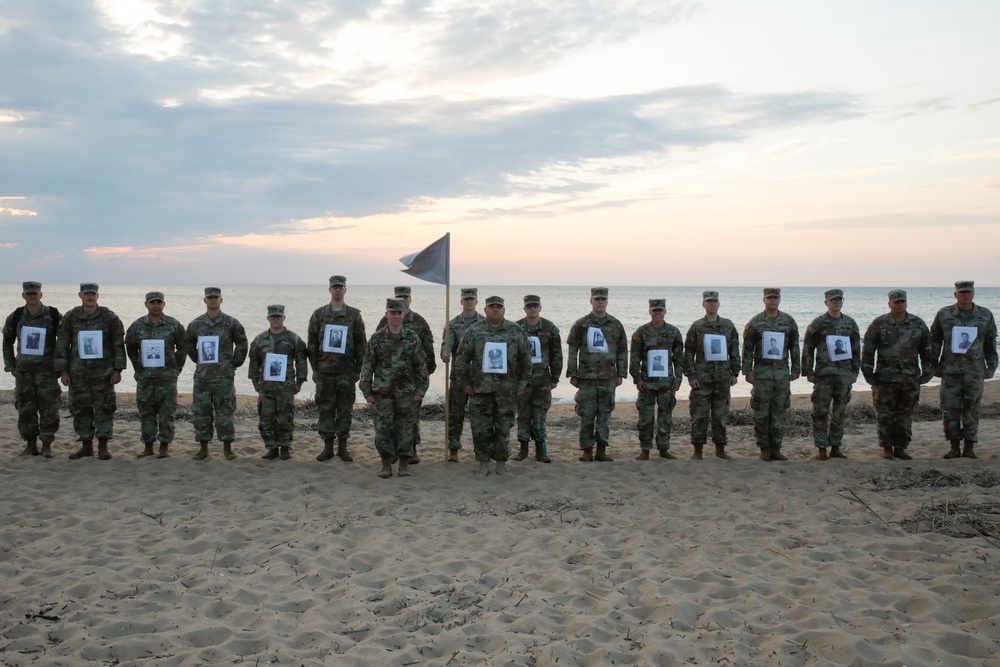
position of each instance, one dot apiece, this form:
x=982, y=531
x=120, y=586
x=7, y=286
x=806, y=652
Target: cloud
x=895, y=221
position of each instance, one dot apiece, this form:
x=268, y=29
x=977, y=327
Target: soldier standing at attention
x=770, y=344
x=657, y=352
x=337, y=343
x=394, y=380
x=546, y=369
x=155, y=346
x=217, y=343
x=962, y=368
x=277, y=368
x=33, y=329
x=712, y=365
x=598, y=362
x=836, y=369
x=902, y=344
x=493, y=368
x=457, y=399
x=90, y=356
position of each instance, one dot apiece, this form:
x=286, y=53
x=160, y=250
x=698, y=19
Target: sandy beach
x=177, y=562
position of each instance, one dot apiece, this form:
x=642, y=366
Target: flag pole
x=447, y=374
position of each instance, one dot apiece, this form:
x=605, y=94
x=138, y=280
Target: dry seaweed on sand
x=957, y=518
x=908, y=478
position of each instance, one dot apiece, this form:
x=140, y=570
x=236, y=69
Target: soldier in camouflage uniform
x=837, y=362
x=278, y=368
x=657, y=352
x=214, y=395
x=91, y=365
x=493, y=368
x=546, y=369
x=457, y=399
x=337, y=342
x=902, y=344
x=770, y=344
x=394, y=380
x=598, y=362
x=155, y=346
x=33, y=328
x=963, y=362
x=712, y=365
x=420, y=327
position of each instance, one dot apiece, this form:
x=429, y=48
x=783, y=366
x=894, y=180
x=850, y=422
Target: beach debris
x=957, y=518
x=43, y=613
x=908, y=478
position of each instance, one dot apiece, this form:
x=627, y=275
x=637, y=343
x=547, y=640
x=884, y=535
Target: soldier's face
x=964, y=299
x=337, y=292
x=495, y=313
x=88, y=298
x=897, y=307
x=32, y=298
x=155, y=308
x=213, y=302
x=834, y=305
x=469, y=304
x=711, y=306
x=657, y=316
x=533, y=309
x=394, y=318
x=772, y=302
x=599, y=304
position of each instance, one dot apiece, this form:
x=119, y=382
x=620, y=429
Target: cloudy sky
x=559, y=141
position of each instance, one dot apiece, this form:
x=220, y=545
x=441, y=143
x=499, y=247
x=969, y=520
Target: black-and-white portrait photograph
x=838, y=347
x=208, y=349
x=152, y=353
x=335, y=339
x=657, y=363
x=495, y=358
x=715, y=348
x=33, y=341
x=596, y=342
x=773, y=345
x=962, y=339
x=536, y=349
x=275, y=367
x=90, y=344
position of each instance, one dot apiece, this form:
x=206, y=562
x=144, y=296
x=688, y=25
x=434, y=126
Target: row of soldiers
x=500, y=368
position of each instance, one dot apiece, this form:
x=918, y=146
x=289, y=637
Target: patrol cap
x=401, y=291
x=275, y=309
x=598, y=292
x=657, y=304
x=31, y=287
x=338, y=281
x=897, y=295
x=89, y=287
x=395, y=305
x=154, y=296
x=470, y=293
x=833, y=294
x=772, y=291
x=965, y=286
x=532, y=300
x=494, y=301
x=710, y=295
x=213, y=291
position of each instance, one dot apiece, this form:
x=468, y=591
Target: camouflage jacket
x=394, y=363
x=815, y=353
x=420, y=327
x=112, y=344
x=354, y=350
x=646, y=338
x=753, y=347
x=981, y=353
x=695, y=366
x=48, y=319
x=232, y=345
x=587, y=365
x=513, y=348
x=903, y=350
x=286, y=343
x=452, y=336
x=171, y=332
x=549, y=369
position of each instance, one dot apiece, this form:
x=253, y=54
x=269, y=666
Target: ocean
x=561, y=304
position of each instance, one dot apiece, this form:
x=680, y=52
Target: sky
x=561, y=142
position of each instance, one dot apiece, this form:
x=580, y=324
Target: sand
x=742, y=562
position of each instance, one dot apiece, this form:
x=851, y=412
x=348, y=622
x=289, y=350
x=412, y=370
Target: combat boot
x=163, y=451
x=587, y=454
x=765, y=453
x=643, y=455
x=501, y=468
x=327, y=452
x=147, y=450
x=342, y=452
x=227, y=450
x=484, y=469
x=203, y=452
x=452, y=456
x=270, y=454
x=540, y=453
x=720, y=452
x=86, y=449
x=404, y=467
x=31, y=448
x=955, y=452
x=386, y=471
x=969, y=451
x=285, y=453
x=47, y=450
x=699, y=453
x=776, y=454
x=665, y=454
x=102, y=449
x=415, y=459
x=602, y=454
x=820, y=454
x=835, y=453
x=887, y=453
x=523, y=452
x=900, y=453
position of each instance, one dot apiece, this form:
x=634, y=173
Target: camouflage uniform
x=710, y=401
x=904, y=363
x=771, y=393
x=533, y=405
x=833, y=379
x=962, y=374
x=336, y=374
x=36, y=384
x=276, y=399
x=419, y=325
x=659, y=393
x=494, y=399
x=214, y=392
x=156, y=387
x=457, y=399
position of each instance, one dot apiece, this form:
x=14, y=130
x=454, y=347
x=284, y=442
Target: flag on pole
x=432, y=264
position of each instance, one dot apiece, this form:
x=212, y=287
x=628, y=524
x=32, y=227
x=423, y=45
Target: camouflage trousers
x=830, y=396
x=395, y=414
x=961, y=396
x=93, y=405
x=335, y=398
x=36, y=399
x=213, y=400
x=894, y=405
x=457, y=401
x=276, y=415
x=709, y=402
x=156, y=400
x=595, y=401
x=532, y=408
x=769, y=401
x=662, y=401
x=491, y=417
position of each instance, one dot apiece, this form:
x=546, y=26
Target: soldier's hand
x=357, y=377
x=677, y=385
x=618, y=381
x=573, y=381
x=694, y=384
x=417, y=398
x=446, y=358
x=554, y=384
x=468, y=391
x=733, y=379
x=937, y=374
x=811, y=378
x=520, y=391
x=640, y=385
x=988, y=374
x=116, y=377
x=64, y=377
x=370, y=400
x=751, y=380
x=256, y=388
x=298, y=388
x=316, y=376
x=793, y=377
